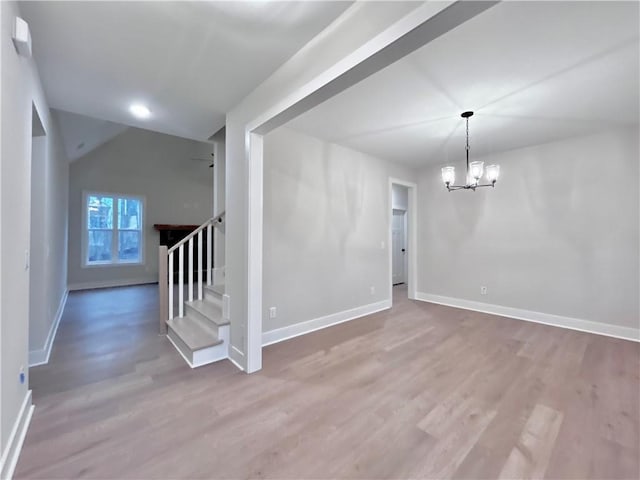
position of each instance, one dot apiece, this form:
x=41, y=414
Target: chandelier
x=474, y=170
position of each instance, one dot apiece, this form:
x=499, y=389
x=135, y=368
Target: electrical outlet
x=372, y=290
x=483, y=290
x=272, y=312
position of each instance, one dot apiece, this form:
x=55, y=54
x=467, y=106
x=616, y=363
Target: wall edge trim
x=291, y=331
x=10, y=456
x=111, y=283
x=581, y=325
x=41, y=356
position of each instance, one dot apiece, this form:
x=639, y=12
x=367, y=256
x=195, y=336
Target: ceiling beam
x=437, y=25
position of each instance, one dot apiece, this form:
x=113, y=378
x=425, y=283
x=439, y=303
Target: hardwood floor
x=419, y=391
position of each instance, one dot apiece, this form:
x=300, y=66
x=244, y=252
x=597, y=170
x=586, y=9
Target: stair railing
x=166, y=269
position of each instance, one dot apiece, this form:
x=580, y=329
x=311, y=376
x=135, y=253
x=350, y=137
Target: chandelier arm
x=457, y=187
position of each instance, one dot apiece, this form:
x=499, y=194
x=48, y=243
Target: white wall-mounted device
x=22, y=38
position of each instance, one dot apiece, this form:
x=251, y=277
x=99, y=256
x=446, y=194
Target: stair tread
x=218, y=288
x=210, y=310
x=196, y=335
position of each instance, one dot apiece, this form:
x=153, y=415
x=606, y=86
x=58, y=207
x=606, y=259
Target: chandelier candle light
x=474, y=170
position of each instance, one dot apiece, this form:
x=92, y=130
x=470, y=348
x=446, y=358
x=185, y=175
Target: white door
x=398, y=246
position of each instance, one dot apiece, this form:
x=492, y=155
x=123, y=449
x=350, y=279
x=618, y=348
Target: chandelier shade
x=449, y=174
x=475, y=170
x=493, y=172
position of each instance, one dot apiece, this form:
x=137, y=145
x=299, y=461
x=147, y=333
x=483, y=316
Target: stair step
x=196, y=335
x=217, y=289
x=213, y=296
x=208, y=310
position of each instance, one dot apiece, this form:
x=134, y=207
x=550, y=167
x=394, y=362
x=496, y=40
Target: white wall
x=325, y=228
x=354, y=28
x=557, y=235
x=20, y=90
x=177, y=190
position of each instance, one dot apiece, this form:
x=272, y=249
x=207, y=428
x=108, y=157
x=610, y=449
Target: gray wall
x=219, y=205
x=48, y=238
x=326, y=213
x=357, y=25
x=20, y=90
x=558, y=234
x=177, y=190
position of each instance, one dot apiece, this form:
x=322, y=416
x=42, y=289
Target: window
x=113, y=229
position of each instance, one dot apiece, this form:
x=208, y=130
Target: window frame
x=115, y=230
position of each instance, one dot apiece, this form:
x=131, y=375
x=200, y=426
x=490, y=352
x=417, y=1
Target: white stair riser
x=203, y=356
x=214, y=354
x=210, y=355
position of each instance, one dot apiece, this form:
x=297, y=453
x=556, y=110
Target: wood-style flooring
x=418, y=391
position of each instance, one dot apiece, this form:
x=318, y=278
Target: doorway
x=402, y=236
x=398, y=247
x=38, y=327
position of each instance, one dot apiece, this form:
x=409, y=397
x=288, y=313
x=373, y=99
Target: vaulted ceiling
x=533, y=72
x=189, y=62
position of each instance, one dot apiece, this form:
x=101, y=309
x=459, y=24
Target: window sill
x=112, y=264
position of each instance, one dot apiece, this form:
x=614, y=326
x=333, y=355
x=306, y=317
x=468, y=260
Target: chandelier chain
x=467, y=119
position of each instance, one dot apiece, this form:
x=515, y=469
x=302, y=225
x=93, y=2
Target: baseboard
x=11, y=453
x=41, y=356
x=588, y=326
x=302, y=328
x=112, y=283
x=236, y=357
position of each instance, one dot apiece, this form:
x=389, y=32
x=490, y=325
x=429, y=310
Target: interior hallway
x=418, y=391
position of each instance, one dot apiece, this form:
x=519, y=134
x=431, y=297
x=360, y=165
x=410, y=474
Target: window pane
x=129, y=246
x=100, y=211
x=99, y=249
x=129, y=210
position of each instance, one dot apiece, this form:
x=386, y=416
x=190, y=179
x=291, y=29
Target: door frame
x=411, y=236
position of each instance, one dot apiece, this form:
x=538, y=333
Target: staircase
x=195, y=325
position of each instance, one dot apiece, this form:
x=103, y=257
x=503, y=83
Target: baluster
x=163, y=288
x=190, y=272
x=170, y=285
x=200, y=265
x=181, y=281
x=209, y=252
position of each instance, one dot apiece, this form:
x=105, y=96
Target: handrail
x=211, y=221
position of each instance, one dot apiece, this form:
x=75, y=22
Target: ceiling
x=82, y=134
x=189, y=62
x=533, y=72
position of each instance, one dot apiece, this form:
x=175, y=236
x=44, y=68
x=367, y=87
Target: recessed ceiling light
x=139, y=111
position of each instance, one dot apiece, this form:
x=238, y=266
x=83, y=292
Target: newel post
x=163, y=287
